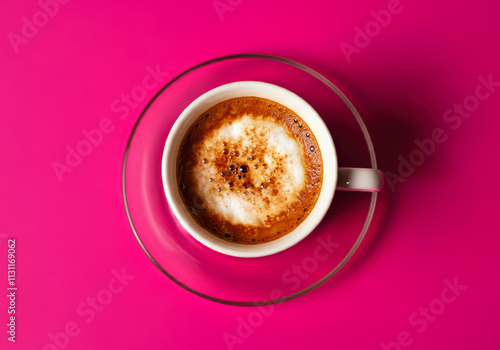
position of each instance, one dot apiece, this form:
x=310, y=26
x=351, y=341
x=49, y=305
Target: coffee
x=249, y=170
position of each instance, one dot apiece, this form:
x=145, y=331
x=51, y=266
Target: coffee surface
x=249, y=170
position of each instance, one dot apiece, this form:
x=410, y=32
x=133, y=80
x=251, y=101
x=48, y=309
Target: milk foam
x=276, y=170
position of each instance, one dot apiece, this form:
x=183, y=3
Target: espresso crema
x=249, y=170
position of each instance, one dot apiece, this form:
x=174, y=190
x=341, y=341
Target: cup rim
x=211, y=98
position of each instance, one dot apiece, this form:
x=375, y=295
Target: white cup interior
x=271, y=92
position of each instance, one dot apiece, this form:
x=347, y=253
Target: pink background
x=436, y=225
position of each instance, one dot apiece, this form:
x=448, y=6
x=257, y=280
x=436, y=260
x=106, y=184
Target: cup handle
x=360, y=179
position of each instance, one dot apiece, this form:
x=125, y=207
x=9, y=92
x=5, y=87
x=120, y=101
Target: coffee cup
x=333, y=177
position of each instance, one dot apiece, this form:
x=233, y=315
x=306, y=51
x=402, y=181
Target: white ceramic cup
x=352, y=179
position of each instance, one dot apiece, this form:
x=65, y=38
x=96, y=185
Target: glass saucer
x=245, y=281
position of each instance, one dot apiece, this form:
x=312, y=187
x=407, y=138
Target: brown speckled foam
x=249, y=170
